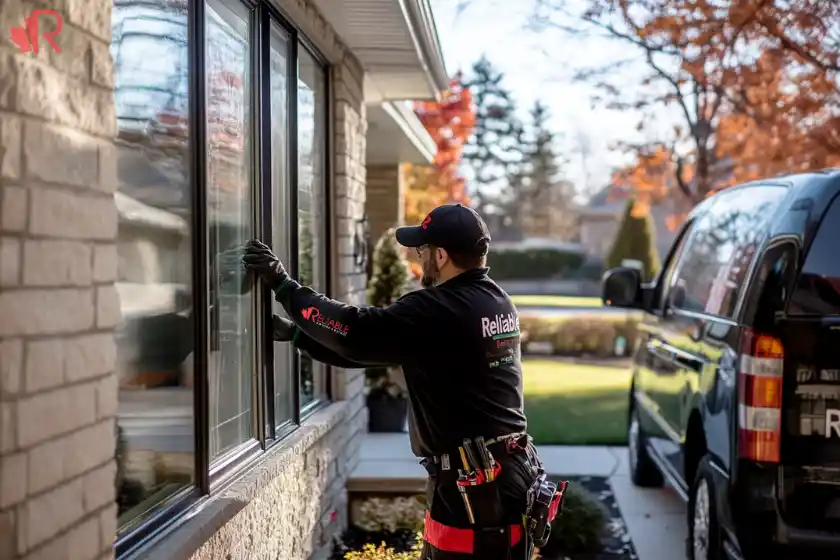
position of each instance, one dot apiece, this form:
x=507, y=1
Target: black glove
x=259, y=258
x=283, y=329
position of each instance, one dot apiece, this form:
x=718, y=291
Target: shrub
x=391, y=514
x=582, y=333
x=523, y=264
x=391, y=275
x=381, y=552
x=582, y=525
x=635, y=240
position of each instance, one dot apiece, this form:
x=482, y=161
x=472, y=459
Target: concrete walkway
x=655, y=518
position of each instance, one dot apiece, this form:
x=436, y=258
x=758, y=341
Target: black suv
x=735, y=397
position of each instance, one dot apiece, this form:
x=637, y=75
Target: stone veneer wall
x=292, y=504
x=385, y=199
x=58, y=304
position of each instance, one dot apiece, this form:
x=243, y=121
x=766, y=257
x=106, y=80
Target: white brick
x=83, y=541
x=44, y=364
x=8, y=424
x=11, y=366
x=46, y=415
x=92, y=16
x=60, y=155
x=12, y=480
x=46, y=464
x=99, y=487
x=105, y=263
x=14, y=207
x=107, y=397
x=35, y=312
x=108, y=310
x=89, y=356
x=89, y=447
x=108, y=160
x=10, y=134
x=57, y=263
x=108, y=525
x=71, y=215
x=49, y=514
x=9, y=261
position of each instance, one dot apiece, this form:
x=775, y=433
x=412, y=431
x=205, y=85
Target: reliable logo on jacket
x=312, y=314
x=500, y=326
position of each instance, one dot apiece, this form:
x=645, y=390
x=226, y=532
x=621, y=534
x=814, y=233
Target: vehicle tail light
x=760, y=397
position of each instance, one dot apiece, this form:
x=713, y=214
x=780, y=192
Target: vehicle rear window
x=817, y=291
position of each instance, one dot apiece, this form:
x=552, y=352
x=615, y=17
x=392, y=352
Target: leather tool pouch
x=486, y=504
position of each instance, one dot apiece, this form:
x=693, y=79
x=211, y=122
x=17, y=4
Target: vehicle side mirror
x=622, y=287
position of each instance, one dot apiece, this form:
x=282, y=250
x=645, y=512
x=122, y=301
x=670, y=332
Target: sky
x=540, y=65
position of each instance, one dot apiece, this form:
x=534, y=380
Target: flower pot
x=386, y=413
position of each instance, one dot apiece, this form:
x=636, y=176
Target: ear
x=442, y=255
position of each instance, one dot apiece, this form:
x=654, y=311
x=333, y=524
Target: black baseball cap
x=452, y=227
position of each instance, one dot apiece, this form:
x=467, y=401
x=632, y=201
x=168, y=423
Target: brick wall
x=58, y=305
x=385, y=198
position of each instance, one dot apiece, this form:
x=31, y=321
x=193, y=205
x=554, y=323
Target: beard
x=431, y=273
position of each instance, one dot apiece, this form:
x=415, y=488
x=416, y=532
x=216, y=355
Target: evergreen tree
x=635, y=240
x=492, y=152
x=546, y=199
x=391, y=273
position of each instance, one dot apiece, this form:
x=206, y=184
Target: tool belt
x=477, y=470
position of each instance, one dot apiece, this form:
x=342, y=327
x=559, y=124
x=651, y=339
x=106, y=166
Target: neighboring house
x=125, y=180
x=601, y=218
x=549, y=213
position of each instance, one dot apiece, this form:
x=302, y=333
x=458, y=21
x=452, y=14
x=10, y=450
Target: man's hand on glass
x=259, y=258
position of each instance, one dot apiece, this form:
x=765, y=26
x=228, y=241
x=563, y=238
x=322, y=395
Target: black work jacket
x=458, y=344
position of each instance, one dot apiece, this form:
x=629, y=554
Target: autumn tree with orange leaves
x=450, y=122
x=754, y=83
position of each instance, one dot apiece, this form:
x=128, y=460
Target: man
x=458, y=344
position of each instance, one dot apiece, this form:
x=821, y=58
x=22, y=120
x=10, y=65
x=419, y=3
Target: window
x=817, y=290
x=207, y=161
x=279, y=67
x=311, y=194
x=156, y=444
x=722, y=247
x=230, y=219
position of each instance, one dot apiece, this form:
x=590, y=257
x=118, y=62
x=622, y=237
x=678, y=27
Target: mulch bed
x=616, y=543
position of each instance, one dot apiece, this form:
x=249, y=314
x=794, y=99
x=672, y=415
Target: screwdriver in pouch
x=462, y=477
x=486, y=458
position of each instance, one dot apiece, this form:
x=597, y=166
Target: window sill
x=198, y=526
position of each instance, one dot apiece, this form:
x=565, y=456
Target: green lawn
x=570, y=404
x=556, y=301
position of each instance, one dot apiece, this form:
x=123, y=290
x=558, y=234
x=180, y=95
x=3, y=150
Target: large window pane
x=311, y=191
x=231, y=224
x=279, y=106
x=155, y=339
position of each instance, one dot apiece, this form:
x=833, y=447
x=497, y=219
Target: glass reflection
x=279, y=103
x=155, y=339
x=311, y=230
x=230, y=219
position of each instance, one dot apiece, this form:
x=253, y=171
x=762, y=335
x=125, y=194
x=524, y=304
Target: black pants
x=498, y=533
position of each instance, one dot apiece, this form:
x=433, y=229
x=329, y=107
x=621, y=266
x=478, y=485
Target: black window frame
x=210, y=476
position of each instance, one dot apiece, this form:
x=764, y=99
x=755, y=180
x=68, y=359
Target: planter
x=386, y=414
